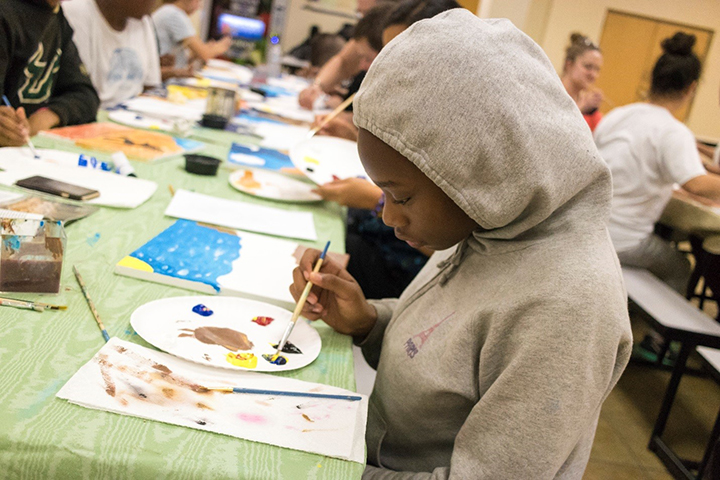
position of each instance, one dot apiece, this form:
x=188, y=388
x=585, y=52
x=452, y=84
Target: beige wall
x=299, y=21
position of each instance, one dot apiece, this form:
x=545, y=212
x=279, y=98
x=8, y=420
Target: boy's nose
x=392, y=217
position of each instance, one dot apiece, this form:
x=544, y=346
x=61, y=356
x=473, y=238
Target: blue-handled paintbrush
x=29, y=142
x=255, y=391
x=90, y=303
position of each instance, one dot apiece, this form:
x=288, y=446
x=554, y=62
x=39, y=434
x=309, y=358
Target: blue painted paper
x=192, y=252
x=266, y=158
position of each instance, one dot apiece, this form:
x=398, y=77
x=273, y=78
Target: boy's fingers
x=332, y=283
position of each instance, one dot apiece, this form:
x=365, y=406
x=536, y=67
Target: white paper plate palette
x=226, y=332
x=272, y=186
x=323, y=159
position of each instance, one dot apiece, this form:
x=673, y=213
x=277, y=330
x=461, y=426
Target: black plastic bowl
x=201, y=164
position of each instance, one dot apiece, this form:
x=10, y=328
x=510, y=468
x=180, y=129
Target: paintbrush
x=299, y=306
x=90, y=303
x=37, y=306
x=331, y=116
x=254, y=391
x=29, y=142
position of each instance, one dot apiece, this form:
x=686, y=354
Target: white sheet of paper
x=9, y=197
x=128, y=379
x=241, y=215
x=115, y=190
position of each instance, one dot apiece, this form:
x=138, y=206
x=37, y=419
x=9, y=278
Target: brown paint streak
x=109, y=384
x=203, y=406
x=186, y=335
x=162, y=368
x=308, y=418
x=225, y=337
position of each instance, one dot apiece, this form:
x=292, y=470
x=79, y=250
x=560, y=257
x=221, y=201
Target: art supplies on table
x=273, y=186
x=34, y=207
x=136, y=144
x=241, y=215
x=226, y=332
x=191, y=110
x=90, y=303
x=273, y=134
x=31, y=257
x=128, y=379
x=115, y=190
x=58, y=188
x=285, y=107
x=138, y=120
x=259, y=157
x=324, y=159
x=28, y=305
x=213, y=260
x=222, y=70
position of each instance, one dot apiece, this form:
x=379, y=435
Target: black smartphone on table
x=56, y=187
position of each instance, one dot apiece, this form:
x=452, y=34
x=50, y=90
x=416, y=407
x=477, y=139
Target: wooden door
x=631, y=46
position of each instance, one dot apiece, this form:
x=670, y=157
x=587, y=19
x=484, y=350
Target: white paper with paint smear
x=128, y=379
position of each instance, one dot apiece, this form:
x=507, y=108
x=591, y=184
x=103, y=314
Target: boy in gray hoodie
x=496, y=359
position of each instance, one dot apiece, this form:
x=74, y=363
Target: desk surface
x=45, y=437
x=686, y=214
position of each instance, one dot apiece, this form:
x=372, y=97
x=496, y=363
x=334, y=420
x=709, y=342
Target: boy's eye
x=402, y=201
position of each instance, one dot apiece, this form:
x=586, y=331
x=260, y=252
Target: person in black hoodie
x=41, y=73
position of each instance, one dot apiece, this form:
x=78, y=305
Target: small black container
x=214, y=121
x=201, y=164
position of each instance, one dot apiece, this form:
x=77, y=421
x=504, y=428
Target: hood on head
x=477, y=106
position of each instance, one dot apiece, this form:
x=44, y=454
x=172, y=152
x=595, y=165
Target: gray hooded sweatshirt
x=494, y=362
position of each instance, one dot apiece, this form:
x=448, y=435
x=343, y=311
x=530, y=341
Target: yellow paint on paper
x=311, y=160
x=245, y=360
x=135, y=264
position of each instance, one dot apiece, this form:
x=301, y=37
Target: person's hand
x=14, y=127
x=223, y=45
x=590, y=100
x=351, y=192
x=307, y=97
x=339, y=127
x=335, y=297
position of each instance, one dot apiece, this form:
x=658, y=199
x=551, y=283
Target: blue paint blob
x=280, y=360
x=202, y=310
x=180, y=251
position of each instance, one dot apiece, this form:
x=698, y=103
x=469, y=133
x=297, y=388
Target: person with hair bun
x=583, y=61
x=649, y=151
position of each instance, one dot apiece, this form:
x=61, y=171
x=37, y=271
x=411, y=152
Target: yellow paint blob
x=312, y=160
x=245, y=360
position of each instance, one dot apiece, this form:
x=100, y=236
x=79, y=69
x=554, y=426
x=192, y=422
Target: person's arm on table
x=351, y=192
x=707, y=186
x=340, y=67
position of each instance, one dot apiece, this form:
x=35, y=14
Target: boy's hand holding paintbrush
x=335, y=297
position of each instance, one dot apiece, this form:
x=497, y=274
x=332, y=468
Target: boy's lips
x=412, y=243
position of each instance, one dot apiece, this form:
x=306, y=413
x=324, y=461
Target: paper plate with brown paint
x=226, y=332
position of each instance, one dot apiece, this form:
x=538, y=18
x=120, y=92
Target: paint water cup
x=220, y=108
x=31, y=255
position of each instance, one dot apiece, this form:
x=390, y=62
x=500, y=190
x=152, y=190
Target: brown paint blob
x=225, y=337
x=307, y=418
x=168, y=392
x=109, y=384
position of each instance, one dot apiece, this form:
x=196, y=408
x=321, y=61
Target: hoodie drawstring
x=451, y=264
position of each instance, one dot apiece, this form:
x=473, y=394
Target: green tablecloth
x=45, y=437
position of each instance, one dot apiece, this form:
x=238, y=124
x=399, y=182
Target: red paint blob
x=263, y=321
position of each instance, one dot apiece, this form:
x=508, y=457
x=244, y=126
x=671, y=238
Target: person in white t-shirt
x=648, y=152
x=176, y=33
x=117, y=44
